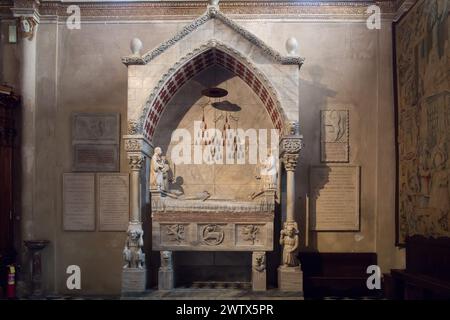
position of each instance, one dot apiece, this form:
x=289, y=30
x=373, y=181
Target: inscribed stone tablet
x=334, y=198
x=113, y=201
x=95, y=141
x=103, y=157
x=79, y=201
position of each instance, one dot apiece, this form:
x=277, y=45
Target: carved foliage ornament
x=136, y=162
x=291, y=145
x=132, y=145
x=290, y=161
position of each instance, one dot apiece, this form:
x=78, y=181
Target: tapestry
x=423, y=120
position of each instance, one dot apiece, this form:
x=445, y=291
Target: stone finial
x=136, y=46
x=292, y=46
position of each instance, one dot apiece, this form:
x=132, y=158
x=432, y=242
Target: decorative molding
x=144, y=10
x=137, y=145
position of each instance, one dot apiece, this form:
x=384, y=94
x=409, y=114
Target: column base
x=165, y=280
x=134, y=280
x=259, y=282
x=290, y=279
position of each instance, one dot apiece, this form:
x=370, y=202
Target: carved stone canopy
x=213, y=12
x=218, y=41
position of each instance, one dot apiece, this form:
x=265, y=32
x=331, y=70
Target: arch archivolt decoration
x=212, y=52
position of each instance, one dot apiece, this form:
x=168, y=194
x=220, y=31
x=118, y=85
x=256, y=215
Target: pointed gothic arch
x=212, y=53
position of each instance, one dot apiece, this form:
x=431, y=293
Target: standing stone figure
x=132, y=253
x=289, y=241
x=157, y=170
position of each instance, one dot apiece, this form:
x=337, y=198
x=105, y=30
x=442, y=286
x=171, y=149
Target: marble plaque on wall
x=95, y=141
x=335, y=198
x=79, y=201
x=90, y=157
x=113, y=201
x=334, y=137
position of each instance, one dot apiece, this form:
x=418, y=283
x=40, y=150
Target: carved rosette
x=136, y=162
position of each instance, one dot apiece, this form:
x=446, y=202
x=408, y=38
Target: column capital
x=27, y=11
x=138, y=145
x=290, y=147
x=136, y=162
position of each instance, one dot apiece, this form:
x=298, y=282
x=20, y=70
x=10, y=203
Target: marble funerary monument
x=208, y=221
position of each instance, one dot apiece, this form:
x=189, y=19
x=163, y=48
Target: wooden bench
x=336, y=274
x=427, y=273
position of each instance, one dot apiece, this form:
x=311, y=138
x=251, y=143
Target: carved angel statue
x=289, y=241
x=132, y=253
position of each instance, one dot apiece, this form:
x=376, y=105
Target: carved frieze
x=176, y=233
x=250, y=233
x=218, y=232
